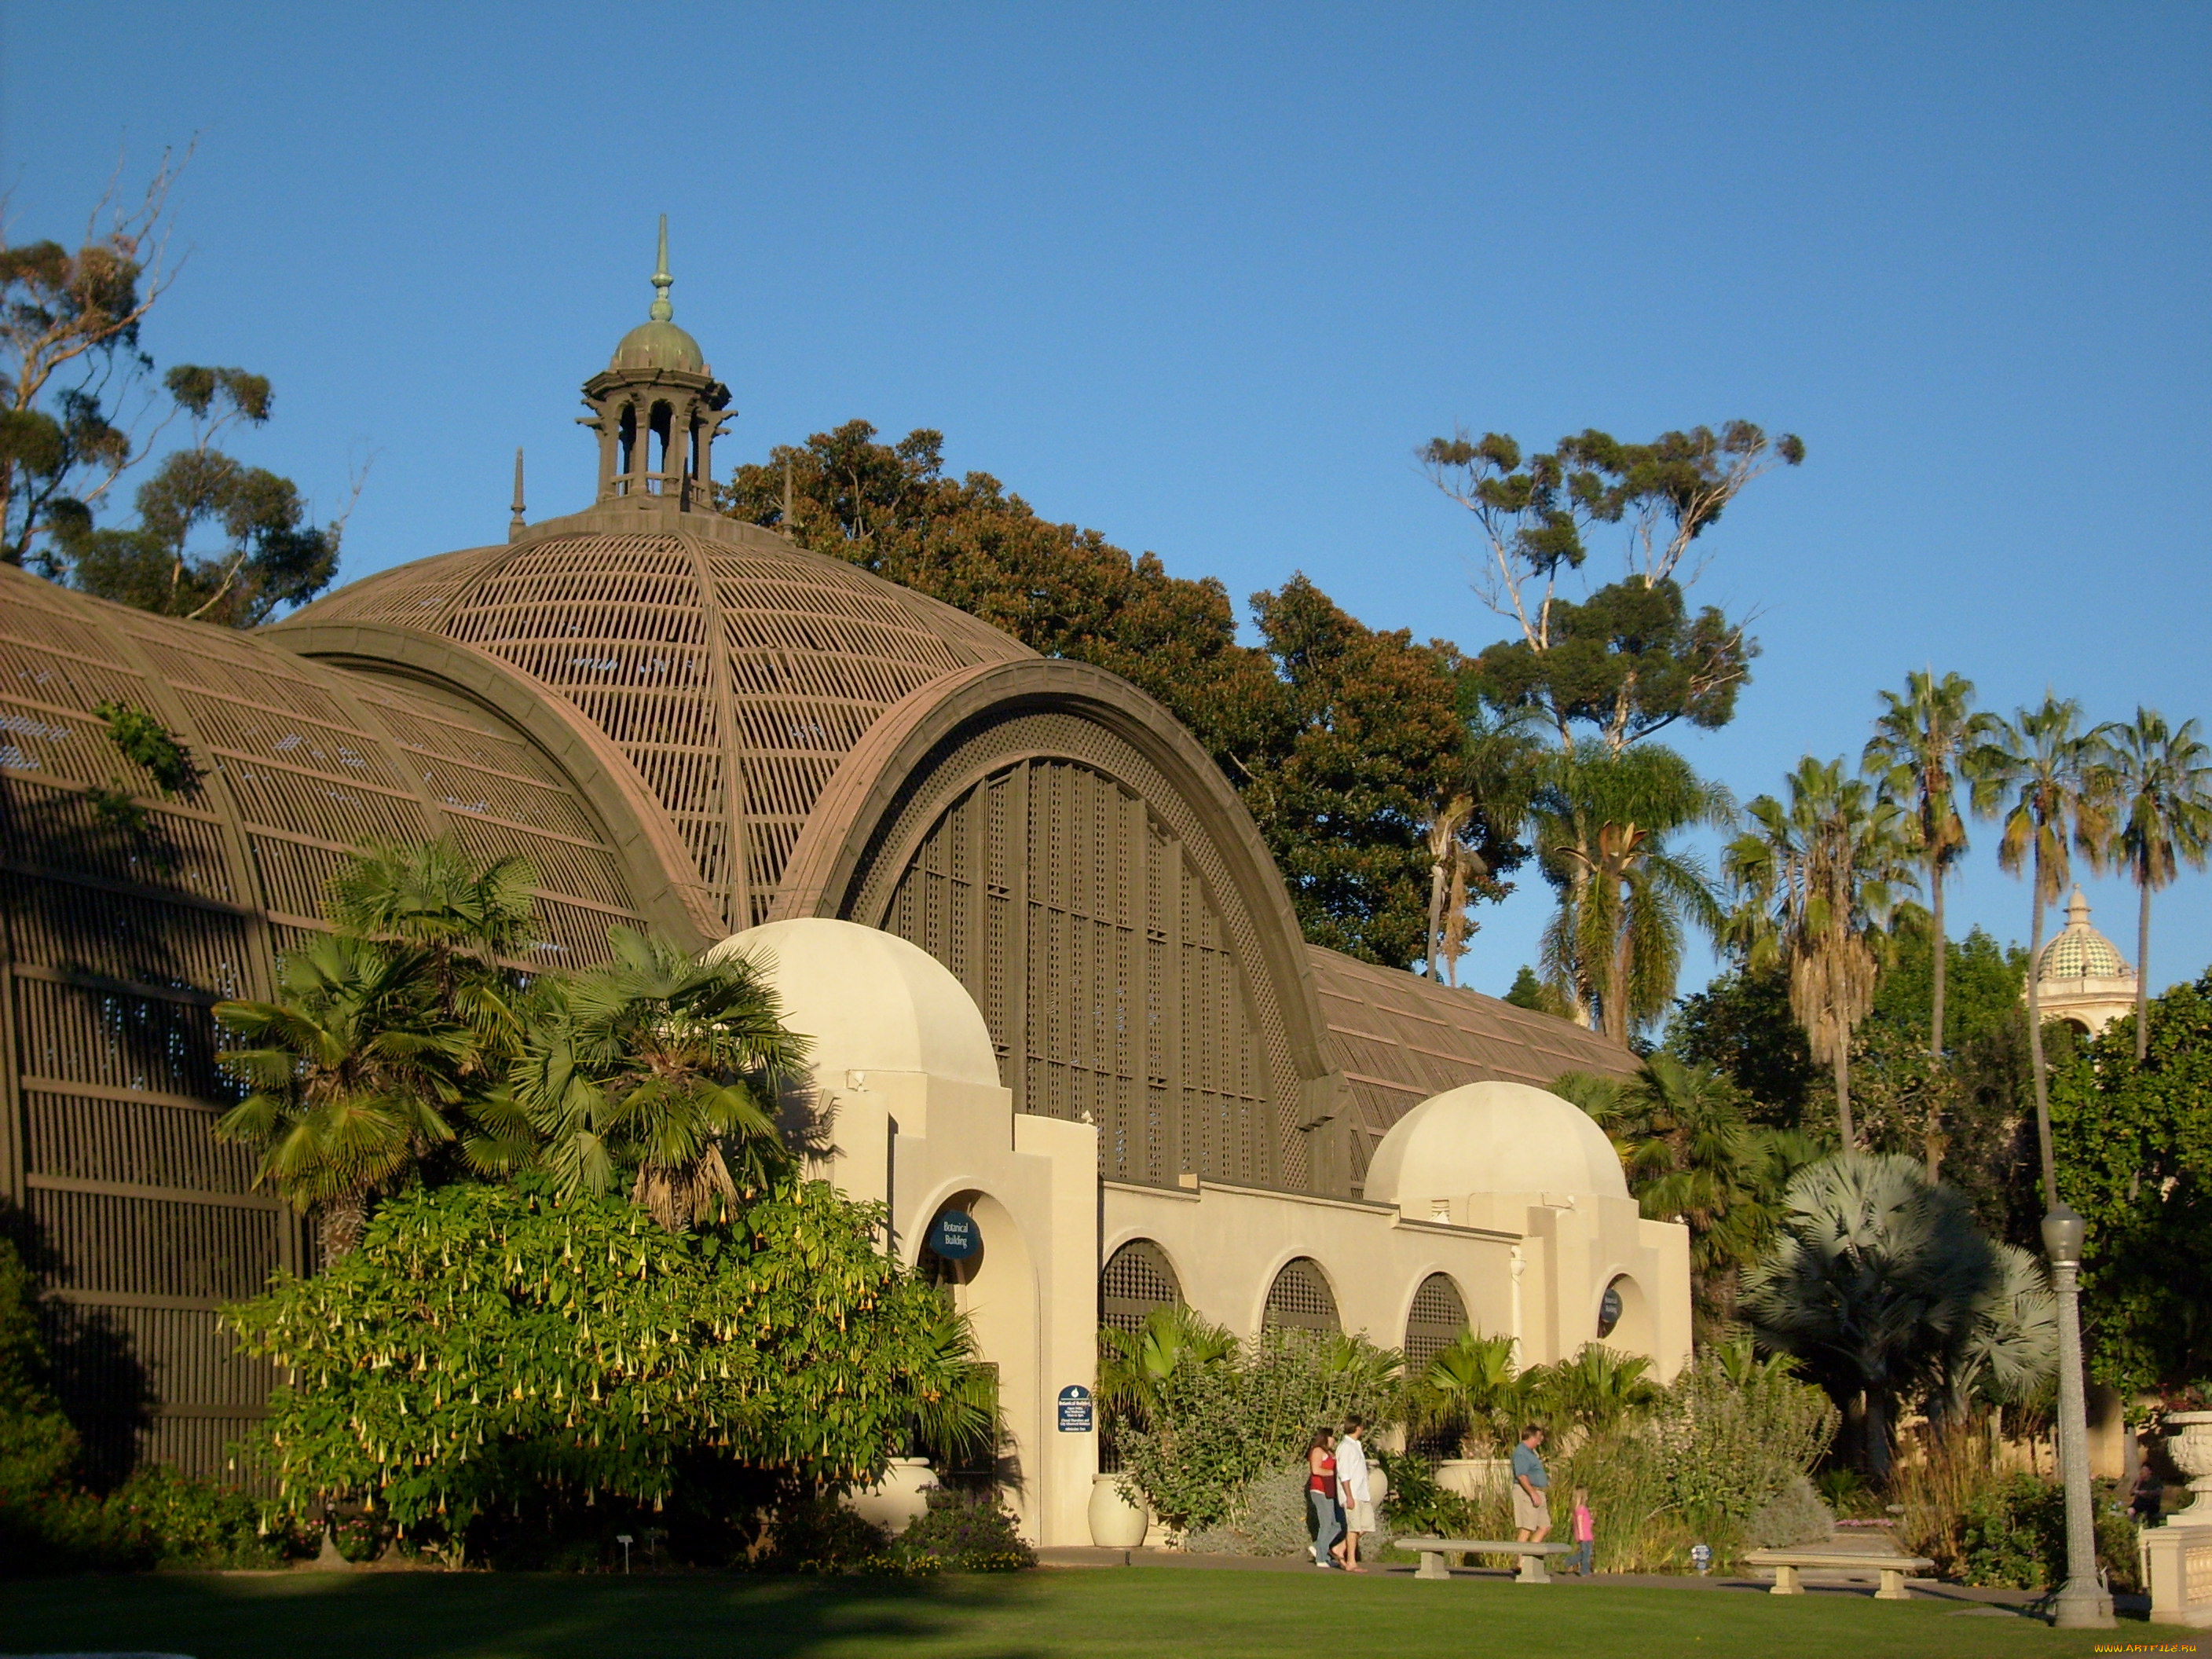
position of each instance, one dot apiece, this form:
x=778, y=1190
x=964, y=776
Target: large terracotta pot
x=1116, y=1523
x=902, y=1497
x=2190, y=1446
x=1473, y=1477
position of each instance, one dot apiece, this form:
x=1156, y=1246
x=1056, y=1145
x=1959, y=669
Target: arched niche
x=1434, y=1322
x=1300, y=1298
x=1137, y=1279
x=1624, y=1317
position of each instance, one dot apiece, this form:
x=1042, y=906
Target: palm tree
x=1471, y=1392
x=2163, y=783
x=1590, y=1395
x=1818, y=877
x=1497, y=775
x=348, y=1073
x=467, y=915
x=1878, y=1284
x=1693, y=1155
x=1919, y=738
x=651, y=1064
x=2051, y=785
x=1134, y=1365
x=1601, y=825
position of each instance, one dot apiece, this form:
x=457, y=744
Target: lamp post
x=2083, y=1602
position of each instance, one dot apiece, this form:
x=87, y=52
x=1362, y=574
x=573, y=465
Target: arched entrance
x=996, y=1287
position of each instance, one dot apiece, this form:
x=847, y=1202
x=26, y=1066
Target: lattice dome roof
x=733, y=668
x=2081, y=952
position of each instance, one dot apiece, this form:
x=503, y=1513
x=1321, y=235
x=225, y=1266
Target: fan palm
x=956, y=1417
x=348, y=1073
x=1817, y=878
x=1919, y=738
x=1591, y=1394
x=1602, y=827
x=650, y=1065
x=2049, y=784
x=1471, y=1392
x=1878, y=1279
x=2163, y=780
x=1132, y=1365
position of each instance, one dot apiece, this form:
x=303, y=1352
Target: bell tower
x=658, y=408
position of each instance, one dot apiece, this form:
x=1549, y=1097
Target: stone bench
x=1787, y=1564
x=1432, y=1552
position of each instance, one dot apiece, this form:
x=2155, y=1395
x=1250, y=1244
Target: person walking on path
x=1585, y=1534
x=1321, y=1488
x=1532, y=1494
x=2145, y=1502
x=1353, y=1493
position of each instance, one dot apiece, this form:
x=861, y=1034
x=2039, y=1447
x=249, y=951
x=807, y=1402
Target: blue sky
x=1204, y=277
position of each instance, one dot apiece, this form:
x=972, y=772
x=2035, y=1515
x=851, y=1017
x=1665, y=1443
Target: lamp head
x=2063, y=1232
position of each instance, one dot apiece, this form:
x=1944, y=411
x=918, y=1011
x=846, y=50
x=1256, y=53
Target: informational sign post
x=955, y=1236
x=1075, y=1413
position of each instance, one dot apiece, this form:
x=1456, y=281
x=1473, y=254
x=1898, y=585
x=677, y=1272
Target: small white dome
x=1493, y=1138
x=870, y=1001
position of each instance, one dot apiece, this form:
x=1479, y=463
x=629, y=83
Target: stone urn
x=1378, y=1483
x=1116, y=1523
x=2189, y=1443
x=901, y=1498
x=1473, y=1477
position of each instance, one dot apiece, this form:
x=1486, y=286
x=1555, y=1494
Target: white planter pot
x=2190, y=1446
x=1378, y=1485
x=1473, y=1477
x=1116, y=1523
x=901, y=1498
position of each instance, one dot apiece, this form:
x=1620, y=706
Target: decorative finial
x=2077, y=911
x=515, y=525
x=662, y=282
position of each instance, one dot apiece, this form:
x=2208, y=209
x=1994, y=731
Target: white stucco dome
x=1493, y=1138
x=870, y=1001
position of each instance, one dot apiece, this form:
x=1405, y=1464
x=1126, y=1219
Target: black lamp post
x=2083, y=1602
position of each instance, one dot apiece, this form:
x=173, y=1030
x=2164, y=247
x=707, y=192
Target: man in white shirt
x=1353, y=1491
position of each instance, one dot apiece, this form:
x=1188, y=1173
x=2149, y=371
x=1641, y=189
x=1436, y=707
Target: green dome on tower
x=657, y=342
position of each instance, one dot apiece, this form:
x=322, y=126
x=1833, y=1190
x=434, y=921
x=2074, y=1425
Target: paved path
x=1969, y=1597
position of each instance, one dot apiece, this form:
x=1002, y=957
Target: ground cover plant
x=1119, y=1613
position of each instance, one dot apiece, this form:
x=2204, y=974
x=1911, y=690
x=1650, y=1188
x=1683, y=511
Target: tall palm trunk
x=1931, y=1139
x=1435, y=945
x=1842, y=1069
x=2035, y=1040
x=2142, y=968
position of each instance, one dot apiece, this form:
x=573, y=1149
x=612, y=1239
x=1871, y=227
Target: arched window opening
x=1138, y=1277
x=629, y=433
x=1437, y=1316
x=1300, y=1298
x=662, y=419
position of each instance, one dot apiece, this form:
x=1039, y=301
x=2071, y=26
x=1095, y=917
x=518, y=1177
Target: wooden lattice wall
x=119, y=940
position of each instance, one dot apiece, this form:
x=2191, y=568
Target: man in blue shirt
x=1532, y=1494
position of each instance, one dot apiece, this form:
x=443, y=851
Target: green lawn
x=1191, y=1614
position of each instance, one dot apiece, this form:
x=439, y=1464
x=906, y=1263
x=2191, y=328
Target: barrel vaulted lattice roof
x=733, y=669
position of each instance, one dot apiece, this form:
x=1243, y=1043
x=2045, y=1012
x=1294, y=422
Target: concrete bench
x=1787, y=1564
x=1432, y=1552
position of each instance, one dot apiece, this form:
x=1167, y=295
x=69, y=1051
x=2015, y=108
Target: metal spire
x=516, y=525
x=790, y=524
x=662, y=311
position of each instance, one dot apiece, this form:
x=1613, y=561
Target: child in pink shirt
x=1585, y=1533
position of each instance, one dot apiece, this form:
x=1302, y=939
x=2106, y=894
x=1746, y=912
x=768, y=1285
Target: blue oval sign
x=955, y=1236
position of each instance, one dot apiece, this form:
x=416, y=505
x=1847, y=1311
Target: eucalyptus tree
x=1920, y=738
x=2163, y=781
x=649, y=1067
x=1602, y=823
x=1817, y=876
x=2049, y=784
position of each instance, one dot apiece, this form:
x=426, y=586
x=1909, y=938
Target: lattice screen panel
x=1085, y=931
x=1137, y=1279
x=1437, y=1316
x=1300, y=1298
x=120, y=939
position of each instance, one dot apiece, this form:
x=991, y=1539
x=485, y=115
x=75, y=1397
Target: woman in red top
x=1321, y=1488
